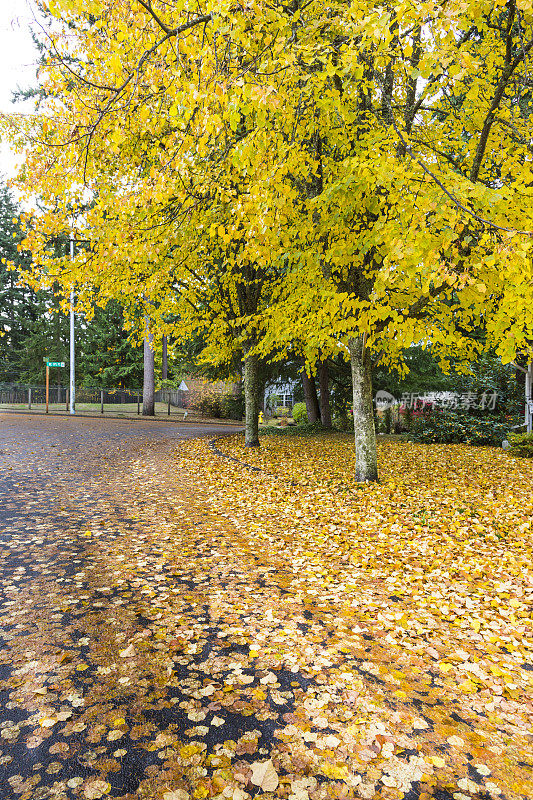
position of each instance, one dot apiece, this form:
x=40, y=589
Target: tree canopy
x=363, y=171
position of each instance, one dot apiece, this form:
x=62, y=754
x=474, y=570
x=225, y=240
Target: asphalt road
x=66, y=486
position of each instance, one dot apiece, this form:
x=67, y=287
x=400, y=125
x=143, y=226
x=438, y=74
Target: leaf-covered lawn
x=180, y=627
x=419, y=596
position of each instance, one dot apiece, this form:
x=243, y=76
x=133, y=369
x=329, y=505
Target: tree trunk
x=311, y=399
x=323, y=382
x=164, y=360
x=252, y=400
x=149, y=376
x=366, y=467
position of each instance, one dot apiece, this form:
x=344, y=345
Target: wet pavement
x=75, y=717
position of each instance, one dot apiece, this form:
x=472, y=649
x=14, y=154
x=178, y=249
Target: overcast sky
x=18, y=59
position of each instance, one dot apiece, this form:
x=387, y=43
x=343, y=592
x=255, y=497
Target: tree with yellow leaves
x=376, y=157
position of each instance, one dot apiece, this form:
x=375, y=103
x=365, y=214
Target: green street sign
x=56, y=363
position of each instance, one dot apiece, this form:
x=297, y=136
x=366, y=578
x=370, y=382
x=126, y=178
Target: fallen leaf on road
x=96, y=789
x=264, y=775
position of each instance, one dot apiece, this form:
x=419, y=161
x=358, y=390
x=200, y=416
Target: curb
x=215, y=449
x=136, y=418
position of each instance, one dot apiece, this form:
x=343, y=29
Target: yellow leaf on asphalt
x=455, y=741
x=96, y=789
x=264, y=775
x=336, y=771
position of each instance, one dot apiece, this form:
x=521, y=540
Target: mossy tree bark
x=310, y=396
x=252, y=400
x=149, y=376
x=323, y=382
x=366, y=467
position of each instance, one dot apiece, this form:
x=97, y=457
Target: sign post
x=48, y=365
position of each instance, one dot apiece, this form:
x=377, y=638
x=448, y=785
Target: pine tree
x=17, y=302
x=46, y=334
x=108, y=358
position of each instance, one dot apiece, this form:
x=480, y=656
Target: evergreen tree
x=108, y=358
x=47, y=333
x=32, y=325
x=17, y=302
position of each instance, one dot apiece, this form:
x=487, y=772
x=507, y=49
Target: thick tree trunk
x=164, y=360
x=310, y=396
x=323, y=382
x=149, y=376
x=252, y=400
x=366, y=467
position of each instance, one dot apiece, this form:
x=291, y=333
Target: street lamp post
x=72, y=351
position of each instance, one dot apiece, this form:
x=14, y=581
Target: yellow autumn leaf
x=264, y=775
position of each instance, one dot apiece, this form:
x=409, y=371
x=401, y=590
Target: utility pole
x=72, y=352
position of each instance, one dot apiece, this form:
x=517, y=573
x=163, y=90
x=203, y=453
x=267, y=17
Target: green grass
x=126, y=410
x=92, y=408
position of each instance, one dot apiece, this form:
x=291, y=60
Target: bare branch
x=148, y=7
x=455, y=201
x=511, y=65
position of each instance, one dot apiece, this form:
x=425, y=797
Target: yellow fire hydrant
x=261, y=418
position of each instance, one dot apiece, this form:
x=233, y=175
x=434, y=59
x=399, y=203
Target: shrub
x=342, y=423
x=444, y=426
x=209, y=405
x=272, y=403
x=303, y=429
x=299, y=413
x=521, y=444
x=232, y=406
